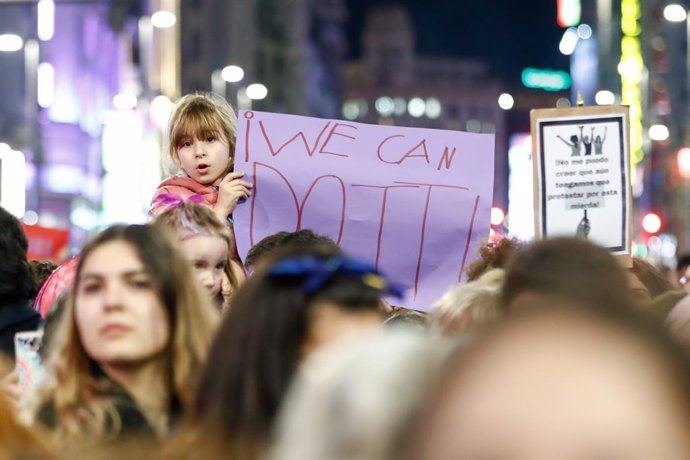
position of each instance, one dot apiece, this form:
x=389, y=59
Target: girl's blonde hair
x=359, y=399
x=468, y=305
x=201, y=115
x=77, y=392
x=188, y=219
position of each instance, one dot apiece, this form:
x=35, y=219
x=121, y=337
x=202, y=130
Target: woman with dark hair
x=130, y=343
x=16, y=283
x=295, y=305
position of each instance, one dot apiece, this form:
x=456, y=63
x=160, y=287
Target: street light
x=220, y=79
x=160, y=108
x=652, y=223
x=45, y=18
x=163, y=19
x=678, y=13
x=12, y=180
x=10, y=43
x=675, y=13
x=125, y=101
x=257, y=91
x=232, y=73
x=568, y=41
x=253, y=92
x=45, y=88
x=658, y=132
x=683, y=159
x=506, y=101
x=604, y=97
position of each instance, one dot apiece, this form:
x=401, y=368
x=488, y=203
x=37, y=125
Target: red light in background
x=652, y=223
x=683, y=158
x=569, y=12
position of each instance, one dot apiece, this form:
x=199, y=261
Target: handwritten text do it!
x=412, y=201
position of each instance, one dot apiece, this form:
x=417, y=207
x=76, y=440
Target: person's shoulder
x=174, y=185
x=15, y=318
x=181, y=187
x=19, y=312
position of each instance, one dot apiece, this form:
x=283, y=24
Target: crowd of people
x=159, y=342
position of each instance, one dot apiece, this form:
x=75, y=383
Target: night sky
x=509, y=34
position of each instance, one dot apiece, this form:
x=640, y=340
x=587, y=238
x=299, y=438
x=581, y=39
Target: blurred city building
x=87, y=88
x=392, y=84
x=637, y=53
x=76, y=104
x=666, y=51
x=87, y=92
x=295, y=49
x=636, y=56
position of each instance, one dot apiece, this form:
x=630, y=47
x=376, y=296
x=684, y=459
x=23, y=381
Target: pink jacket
x=184, y=187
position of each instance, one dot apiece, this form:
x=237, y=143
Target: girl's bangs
x=198, y=125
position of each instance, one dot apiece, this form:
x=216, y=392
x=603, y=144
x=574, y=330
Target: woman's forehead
x=112, y=258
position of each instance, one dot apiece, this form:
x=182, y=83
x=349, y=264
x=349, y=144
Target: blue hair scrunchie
x=317, y=271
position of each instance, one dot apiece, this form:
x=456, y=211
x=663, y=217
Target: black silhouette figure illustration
x=583, y=228
x=574, y=144
x=586, y=141
x=599, y=142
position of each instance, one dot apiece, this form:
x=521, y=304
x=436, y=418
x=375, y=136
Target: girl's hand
x=230, y=191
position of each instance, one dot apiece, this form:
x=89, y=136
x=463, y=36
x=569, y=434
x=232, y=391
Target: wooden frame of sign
x=581, y=159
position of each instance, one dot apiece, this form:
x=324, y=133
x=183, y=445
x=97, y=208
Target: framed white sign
x=582, y=175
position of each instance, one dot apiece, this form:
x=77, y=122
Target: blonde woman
x=359, y=398
x=130, y=344
x=466, y=306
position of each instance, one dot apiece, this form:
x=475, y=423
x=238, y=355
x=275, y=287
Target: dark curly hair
x=494, y=254
x=16, y=279
x=41, y=270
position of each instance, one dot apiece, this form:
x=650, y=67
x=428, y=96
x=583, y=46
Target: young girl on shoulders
x=202, y=132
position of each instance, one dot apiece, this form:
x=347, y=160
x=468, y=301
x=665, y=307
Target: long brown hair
x=77, y=392
x=17, y=440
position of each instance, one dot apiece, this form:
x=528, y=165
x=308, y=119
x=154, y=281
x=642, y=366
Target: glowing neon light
x=631, y=68
x=45, y=12
x=550, y=80
x=12, y=180
x=45, y=84
x=569, y=13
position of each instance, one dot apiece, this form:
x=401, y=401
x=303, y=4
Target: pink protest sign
x=413, y=201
